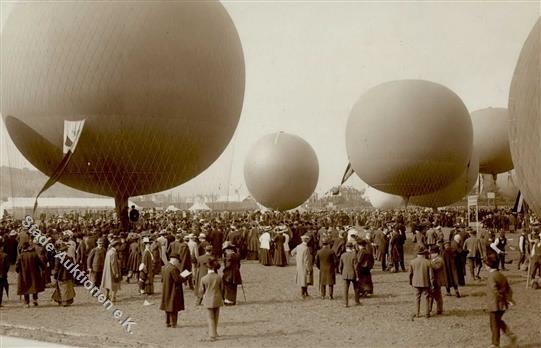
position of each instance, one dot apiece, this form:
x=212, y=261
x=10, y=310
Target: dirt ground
x=274, y=315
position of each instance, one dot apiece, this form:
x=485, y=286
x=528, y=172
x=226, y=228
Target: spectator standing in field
x=231, y=274
x=303, y=258
x=112, y=276
x=326, y=262
x=437, y=279
x=346, y=268
x=172, y=293
x=213, y=289
x=95, y=263
x=29, y=267
x=420, y=280
x=499, y=297
x=4, y=269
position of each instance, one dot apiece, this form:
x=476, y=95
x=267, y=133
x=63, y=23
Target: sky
x=307, y=63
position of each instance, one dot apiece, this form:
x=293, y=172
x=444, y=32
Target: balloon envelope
x=525, y=111
x=490, y=138
x=453, y=192
x=409, y=137
x=281, y=171
x=383, y=200
x=160, y=84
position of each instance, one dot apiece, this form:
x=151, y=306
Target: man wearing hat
x=30, y=268
x=201, y=271
x=146, y=271
x=451, y=272
x=202, y=243
x=327, y=263
x=112, y=276
x=95, y=263
x=231, y=274
x=473, y=247
x=420, y=279
x=499, y=298
x=437, y=279
x=172, y=293
x=346, y=268
x=303, y=258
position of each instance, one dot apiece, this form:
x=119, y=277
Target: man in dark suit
x=420, y=279
x=201, y=271
x=437, y=279
x=174, y=247
x=95, y=263
x=30, y=267
x=346, y=268
x=499, y=297
x=172, y=294
x=326, y=263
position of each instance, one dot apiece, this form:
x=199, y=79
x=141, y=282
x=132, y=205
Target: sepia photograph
x=270, y=173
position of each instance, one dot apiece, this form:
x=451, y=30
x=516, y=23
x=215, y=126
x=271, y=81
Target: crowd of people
x=185, y=250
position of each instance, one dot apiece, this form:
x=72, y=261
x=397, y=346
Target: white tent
x=172, y=209
x=199, y=206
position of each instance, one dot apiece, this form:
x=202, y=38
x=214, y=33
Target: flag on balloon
x=72, y=133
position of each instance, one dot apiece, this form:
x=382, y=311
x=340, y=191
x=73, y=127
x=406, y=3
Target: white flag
x=72, y=132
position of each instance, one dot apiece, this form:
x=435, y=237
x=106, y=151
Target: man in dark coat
x=30, y=268
x=365, y=263
x=437, y=279
x=185, y=259
x=174, y=247
x=451, y=272
x=201, y=271
x=95, y=263
x=231, y=274
x=346, y=268
x=216, y=238
x=4, y=269
x=499, y=297
x=327, y=264
x=172, y=294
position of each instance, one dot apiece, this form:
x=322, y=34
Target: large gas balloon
x=490, y=138
x=505, y=184
x=525, y=111
x=453, y=192
x=160, y=84
x=281, y=171
x=409, y=137
x=383, y=200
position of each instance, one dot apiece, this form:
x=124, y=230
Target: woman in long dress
x=231, y=274
x=64, y=292
x=280, y=257
x=134, y=260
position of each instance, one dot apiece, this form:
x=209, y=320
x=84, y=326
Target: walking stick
x=243, y=293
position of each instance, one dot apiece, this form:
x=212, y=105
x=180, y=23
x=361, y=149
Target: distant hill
x=15, y=182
